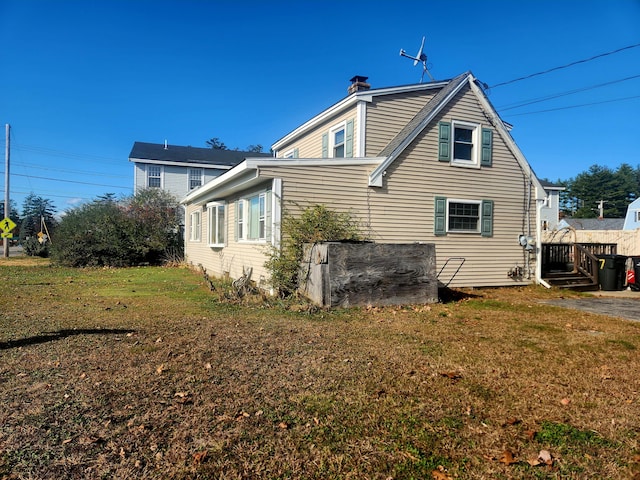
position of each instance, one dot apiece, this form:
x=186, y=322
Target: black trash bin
x=611, y=272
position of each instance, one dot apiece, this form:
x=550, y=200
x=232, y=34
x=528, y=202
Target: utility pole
x=6, y=188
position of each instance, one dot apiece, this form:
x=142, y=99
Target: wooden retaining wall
x=339, y=274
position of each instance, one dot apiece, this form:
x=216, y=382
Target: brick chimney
x=358, y=84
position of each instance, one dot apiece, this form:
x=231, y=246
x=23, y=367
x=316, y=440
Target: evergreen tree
x=616, y=189
x=35, y=209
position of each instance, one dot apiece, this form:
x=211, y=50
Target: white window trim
x=332, y=132
x=161, y=168
x=195, y=227
x=289, y=153
x=475, y=139
x=471, y=202
x=244, y=203
x=212, y=219
x=191, y=169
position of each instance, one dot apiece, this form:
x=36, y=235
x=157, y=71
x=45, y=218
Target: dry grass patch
x=144, y=373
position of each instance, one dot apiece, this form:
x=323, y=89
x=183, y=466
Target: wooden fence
x=628, y=241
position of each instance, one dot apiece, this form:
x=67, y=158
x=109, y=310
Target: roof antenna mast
x=420, y=57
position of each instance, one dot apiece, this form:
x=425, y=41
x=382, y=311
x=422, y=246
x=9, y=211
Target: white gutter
x=182, y=164
x=248, y=172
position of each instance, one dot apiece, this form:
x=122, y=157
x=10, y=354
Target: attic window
x=464, y=143
x=337, y=139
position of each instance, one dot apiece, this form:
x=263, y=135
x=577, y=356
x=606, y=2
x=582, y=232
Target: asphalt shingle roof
x=175, y=153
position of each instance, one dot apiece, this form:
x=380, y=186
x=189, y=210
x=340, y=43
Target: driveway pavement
x=623, y=304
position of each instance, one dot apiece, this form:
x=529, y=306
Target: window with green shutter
x=444, y=141
x=487, y=218
x=439, y=221
x=463, y=216
x=348, y=143
x=486, y=159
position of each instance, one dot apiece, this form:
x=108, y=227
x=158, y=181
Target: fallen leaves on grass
x=507, y=458
x=565, y=401
x=511, y=421
x=199, y=457
x=452, y=375
x=441, y=474
x=543, y=458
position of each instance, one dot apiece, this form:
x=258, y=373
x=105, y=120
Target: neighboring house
x=179, y=170
x=431, y=162
x=592, y=223
x=550, y=209
x=632, y=218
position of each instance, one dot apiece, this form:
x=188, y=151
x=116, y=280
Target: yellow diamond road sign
x=6, y=224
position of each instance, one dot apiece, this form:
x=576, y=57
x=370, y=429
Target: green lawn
x=145, y=373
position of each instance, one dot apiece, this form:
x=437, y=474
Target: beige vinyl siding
x=235, y=257
x=403, y=209
x=387, y=115
x=417, y=176
x=310, y=146
x=342, y=187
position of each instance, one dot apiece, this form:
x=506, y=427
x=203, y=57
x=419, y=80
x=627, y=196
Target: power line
x=68, y=181
x=573, y=106
x=565, y=66
x=64, y=170
x=563, y=94
x=61, y=153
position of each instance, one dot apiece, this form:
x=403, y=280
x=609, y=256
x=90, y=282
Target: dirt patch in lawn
x=145, y=373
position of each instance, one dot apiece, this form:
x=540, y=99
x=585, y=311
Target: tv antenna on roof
x=420, y=57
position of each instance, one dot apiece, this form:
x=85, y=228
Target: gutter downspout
x=539, y=280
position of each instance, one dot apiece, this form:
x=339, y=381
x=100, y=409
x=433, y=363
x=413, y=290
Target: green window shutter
x=440, y=218
x=487, y=148
x=295, y=153
x=487, y=218
x=325, y=145
x=348, y=142
x=444, y=141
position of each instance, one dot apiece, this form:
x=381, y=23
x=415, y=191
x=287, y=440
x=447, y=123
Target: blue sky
x=80, y=81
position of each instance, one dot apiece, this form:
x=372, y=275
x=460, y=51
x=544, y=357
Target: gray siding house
x=178, y=169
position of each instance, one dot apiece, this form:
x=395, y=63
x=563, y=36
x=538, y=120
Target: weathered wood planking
x=340, y=274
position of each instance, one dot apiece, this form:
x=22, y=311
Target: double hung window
x=465, y=144
x=154, y=176
x=195, y=177
x=195, y=226
x=216, y=221
x=463, y=216
x=251, y=218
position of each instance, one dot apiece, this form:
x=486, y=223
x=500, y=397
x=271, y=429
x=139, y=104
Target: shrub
x=32, y=247
x=313, y=224
x=138, y=230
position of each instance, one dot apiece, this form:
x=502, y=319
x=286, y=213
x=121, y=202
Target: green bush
x=313, y=224
x=138, y=230
x=32, y=247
